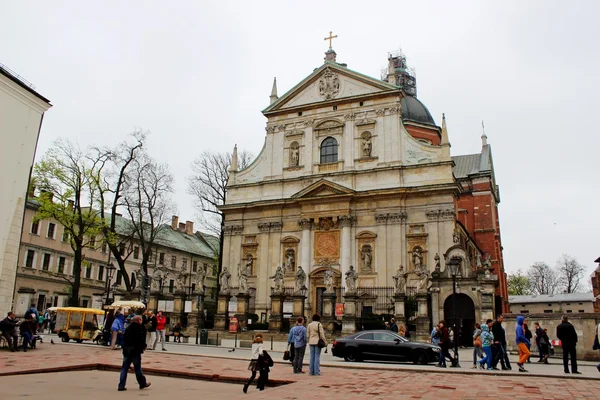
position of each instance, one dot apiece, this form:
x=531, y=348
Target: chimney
x=181, y=227
x=189, y=227
x=174, y=221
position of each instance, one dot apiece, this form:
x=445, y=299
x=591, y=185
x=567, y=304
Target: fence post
x=271, y=342
x=217, y=343
x=235, y=344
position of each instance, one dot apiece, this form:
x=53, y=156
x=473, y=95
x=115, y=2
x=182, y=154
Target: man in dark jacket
x=134, y=344
x=539, y=332
x=500, y=343
x=568, y=337
x=393, y=325
x=8, y=326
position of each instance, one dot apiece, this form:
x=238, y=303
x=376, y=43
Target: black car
x=383, y=346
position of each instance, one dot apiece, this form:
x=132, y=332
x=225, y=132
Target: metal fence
x=374, y=300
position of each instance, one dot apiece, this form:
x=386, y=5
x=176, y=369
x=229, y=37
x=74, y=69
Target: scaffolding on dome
x=406, y=76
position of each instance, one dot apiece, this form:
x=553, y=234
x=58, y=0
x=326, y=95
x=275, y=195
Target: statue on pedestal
x=157, y=276
x=478, y=261
x=399, y=280
x=417, y=258
x=300, y=279
x=243, y=278
x=249, y=263
x=423, y=275
x=328, y=280
x=487, y=266
x=200, y=277
x=224, y=278
x=290, y=260
x=278, y=279
x=180, y=282
x=351, y=278
x=437, y=262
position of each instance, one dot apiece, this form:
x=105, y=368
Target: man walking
x=161, y=321
x=150, y=325
x=568, y=337
x=133, y=347
x=297, y=336
x=393, y=325
x=500, y=341
x=522, y=343
x=539, y=332
x=8, y=326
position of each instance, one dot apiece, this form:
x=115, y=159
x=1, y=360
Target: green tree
x=518, y=284
x=68, y=195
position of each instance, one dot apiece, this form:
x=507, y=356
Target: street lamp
x=110, y=271
x=199, y=314
x=454, y=265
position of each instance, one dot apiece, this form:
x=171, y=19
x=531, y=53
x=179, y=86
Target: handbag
x=477, y=342
x=286, y=354
x=321, y=342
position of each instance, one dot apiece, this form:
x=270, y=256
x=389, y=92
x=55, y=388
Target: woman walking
x=444, y=343
x=545, y=345
x=487, y=338
x=257, y=364
x=316, y=340
x=477, y=352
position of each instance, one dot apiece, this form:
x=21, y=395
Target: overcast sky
x=197, y=74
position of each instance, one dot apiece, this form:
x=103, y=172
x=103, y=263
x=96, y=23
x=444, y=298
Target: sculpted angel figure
x=224, y=278
x=278, y=279
x=328, y=280
x=300, y=279
x=399, y=280
x=351, y=278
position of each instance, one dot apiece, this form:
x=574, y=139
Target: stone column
x=222, y=311
x=243, y=301
x=276, y=317
x=350, y=313
x=306, y=225
x=298, y=307
x=399, y=299
x=328, y=319
x=345, y=222
x=422, y=318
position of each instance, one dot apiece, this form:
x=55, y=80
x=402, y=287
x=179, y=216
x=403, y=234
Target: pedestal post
x=399, y=299
x=276, y=317
x=329, y=318
x=222, y=311
x=298, y=307
x=243, y=302
x=350, y=313
x=422, y=318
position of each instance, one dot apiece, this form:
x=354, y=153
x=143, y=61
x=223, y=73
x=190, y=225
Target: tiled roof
x=546, y=298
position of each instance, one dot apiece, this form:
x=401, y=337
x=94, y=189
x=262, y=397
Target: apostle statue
x=278, y=279
x=180, y=281
x=156, y=278
x=478, y=261
x=295, y=157
x=487, y=265
x=351, y=278
x=399, y=280
x=290, y=260
x=224, y=278
x=139, y=277
x=437, y=262
x=200, y=277
x=417, y=258
x=328, y=280
x=423, y=276
x=243, y=278
x=367, y=147
x=300, y=279
x=366, y=256
x=456, y=237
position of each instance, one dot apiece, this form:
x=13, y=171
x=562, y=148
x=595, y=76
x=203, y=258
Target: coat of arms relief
x=329, y=84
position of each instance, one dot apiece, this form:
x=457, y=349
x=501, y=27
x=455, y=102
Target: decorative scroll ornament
x=329, y=84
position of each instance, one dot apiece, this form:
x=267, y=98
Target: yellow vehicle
x=77, y=323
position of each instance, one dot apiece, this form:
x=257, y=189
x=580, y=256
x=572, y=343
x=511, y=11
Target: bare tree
x=543, y=279
x=570, y=273
x=208, y=185
x=147, y=199
x=518, y=284
x=66, y=176
x=111, y=186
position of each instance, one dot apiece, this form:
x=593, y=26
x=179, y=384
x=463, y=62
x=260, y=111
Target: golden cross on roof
x=330, y=38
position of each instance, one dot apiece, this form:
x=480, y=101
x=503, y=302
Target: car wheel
x=64, y=338
x=420, y=358
x=352, y=356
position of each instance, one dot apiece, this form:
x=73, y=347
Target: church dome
x=415, y=111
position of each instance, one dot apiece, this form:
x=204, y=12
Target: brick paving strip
x=340, y=382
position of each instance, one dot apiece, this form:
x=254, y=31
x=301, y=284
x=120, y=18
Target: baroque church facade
x=355, y=174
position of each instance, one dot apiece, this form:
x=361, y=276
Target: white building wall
x=21, y=115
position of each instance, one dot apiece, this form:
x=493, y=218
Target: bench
x=184, y=338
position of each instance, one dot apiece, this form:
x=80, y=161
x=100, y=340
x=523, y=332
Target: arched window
x=329, y=151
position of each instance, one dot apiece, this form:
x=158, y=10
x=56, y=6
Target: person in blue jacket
x=117, y=328
x=487, y=338
x=523, y=343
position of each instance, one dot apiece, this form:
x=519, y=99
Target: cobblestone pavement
x=334, y=383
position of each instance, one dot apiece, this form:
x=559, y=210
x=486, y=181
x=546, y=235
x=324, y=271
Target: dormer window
x=329, y=150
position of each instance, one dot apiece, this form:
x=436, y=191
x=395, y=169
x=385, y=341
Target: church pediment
x=323, y=188
x=330, y=81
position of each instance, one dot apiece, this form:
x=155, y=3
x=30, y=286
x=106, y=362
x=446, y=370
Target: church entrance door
x=465, y=316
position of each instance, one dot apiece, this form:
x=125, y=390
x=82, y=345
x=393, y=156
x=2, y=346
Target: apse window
x=329, y=150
